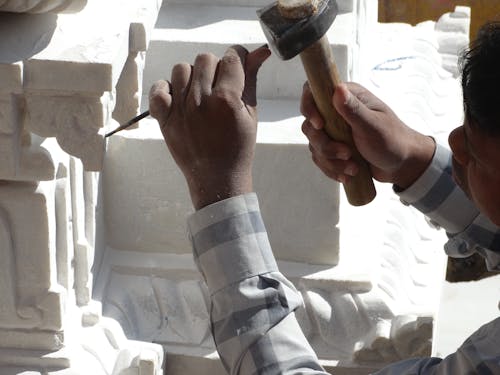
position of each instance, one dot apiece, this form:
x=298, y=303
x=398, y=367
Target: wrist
x=418, y=158
x=209, y=191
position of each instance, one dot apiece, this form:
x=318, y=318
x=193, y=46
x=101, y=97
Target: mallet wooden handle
x=323, y=78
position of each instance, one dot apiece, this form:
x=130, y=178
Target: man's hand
x=395, y=152
x=208, y=117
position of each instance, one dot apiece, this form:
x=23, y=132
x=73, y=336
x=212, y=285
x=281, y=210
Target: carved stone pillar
x=62, y=77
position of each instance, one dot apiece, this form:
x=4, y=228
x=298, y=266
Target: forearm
x=252, y=303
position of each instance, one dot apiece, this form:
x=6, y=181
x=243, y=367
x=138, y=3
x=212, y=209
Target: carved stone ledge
x=82, y=77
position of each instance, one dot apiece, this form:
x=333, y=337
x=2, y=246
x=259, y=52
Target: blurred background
x=415, y=11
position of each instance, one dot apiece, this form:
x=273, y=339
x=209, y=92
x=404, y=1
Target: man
x=208, y=118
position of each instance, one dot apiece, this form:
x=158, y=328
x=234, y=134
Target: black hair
x=480, y=66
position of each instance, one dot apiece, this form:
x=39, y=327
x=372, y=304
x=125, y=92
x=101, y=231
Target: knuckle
x=363, y=97
x=153, y=92
x=305, y=128
x=156, y=102
x=157, y=87
x=231, y=59
x=354, y=105
x=225, y=95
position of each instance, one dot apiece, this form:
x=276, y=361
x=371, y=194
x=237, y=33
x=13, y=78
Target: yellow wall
x=414, y=11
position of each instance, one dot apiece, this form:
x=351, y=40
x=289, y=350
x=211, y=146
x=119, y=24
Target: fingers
x=230, y=74
x=323, y=145
x=204, y=70
x=160, y=101
x=308, y=108
x=254, y=61
x=332, y=170
x=181, y=79
x=164, y=97
x=358, y=106
x=333, y=158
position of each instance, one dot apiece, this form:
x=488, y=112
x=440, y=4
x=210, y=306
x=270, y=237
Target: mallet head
x=289, y=36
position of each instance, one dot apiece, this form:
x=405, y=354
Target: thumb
x=160, y=101
x=355, y=112
x=253, y=62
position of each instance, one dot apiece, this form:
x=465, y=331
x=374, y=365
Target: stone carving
x=453, y=31
x=59, y=92
x=37, y=302
x=42, y=6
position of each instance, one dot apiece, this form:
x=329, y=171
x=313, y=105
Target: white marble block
x=191, y=27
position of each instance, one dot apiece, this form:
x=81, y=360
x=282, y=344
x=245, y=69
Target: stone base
x=101, y=349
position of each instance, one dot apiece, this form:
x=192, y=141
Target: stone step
x=184, y=30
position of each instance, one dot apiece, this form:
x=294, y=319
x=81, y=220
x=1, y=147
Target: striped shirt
x=252, y=303
x=436, y=195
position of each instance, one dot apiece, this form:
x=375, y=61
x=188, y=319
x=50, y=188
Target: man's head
x=476, y=144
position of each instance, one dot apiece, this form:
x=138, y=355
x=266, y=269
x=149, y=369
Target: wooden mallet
x=295, y=27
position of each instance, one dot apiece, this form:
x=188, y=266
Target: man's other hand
x=395, y=152
x=208, y=117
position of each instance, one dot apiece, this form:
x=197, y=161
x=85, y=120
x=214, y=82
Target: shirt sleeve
x=479, y=354
x=252, y=303
x=437, y=196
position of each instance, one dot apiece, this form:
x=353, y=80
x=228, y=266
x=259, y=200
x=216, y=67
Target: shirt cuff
x=437, y=196
x=230, y=241
x=420, y=188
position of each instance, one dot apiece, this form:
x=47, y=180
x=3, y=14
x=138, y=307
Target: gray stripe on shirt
x=437, y=194
x=227, y=230
x=273, y=308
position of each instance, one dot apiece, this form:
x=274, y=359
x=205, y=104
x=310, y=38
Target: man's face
x=476, y=168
